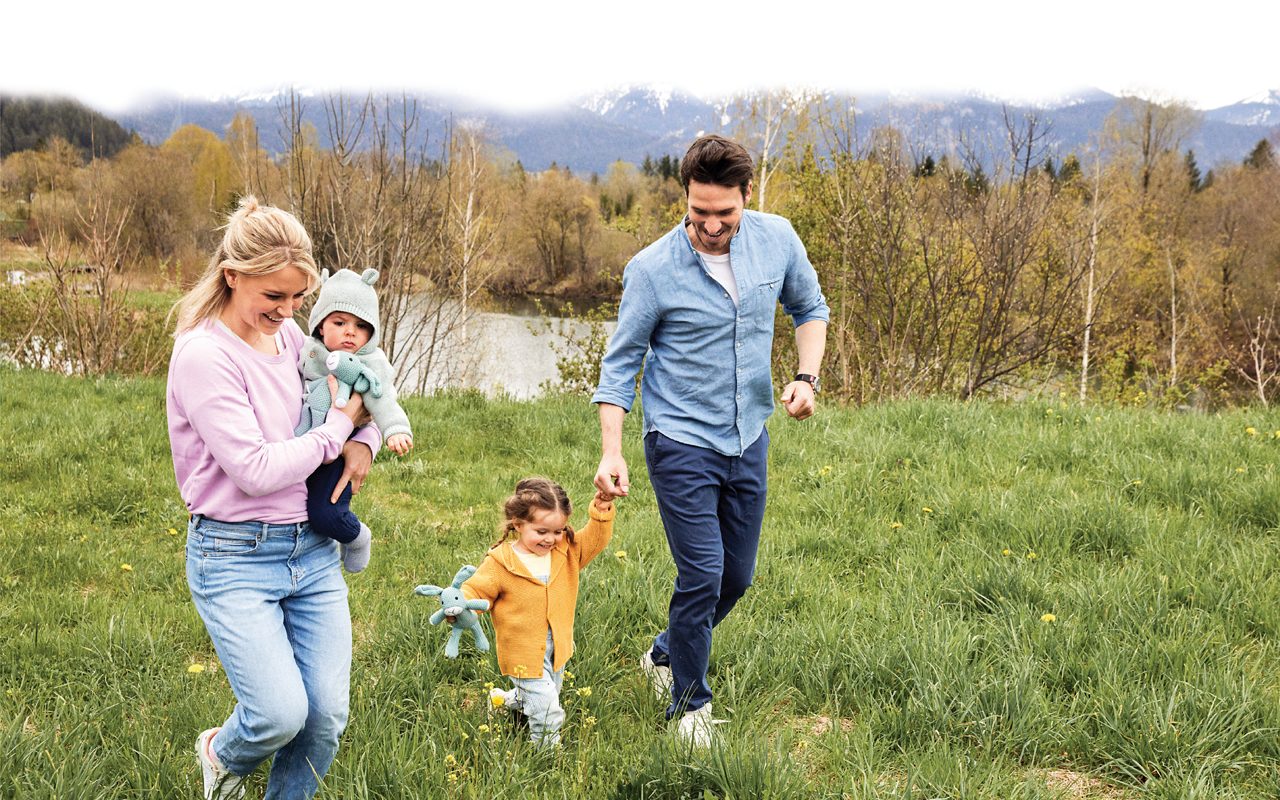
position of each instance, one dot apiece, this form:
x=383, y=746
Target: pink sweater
x=232, y=411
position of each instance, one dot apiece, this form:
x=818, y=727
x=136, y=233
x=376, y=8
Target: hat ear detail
x=369, y=276
x=324, y=275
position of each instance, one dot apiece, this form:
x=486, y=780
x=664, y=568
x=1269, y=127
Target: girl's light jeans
x=275, y=604
x=539, y=700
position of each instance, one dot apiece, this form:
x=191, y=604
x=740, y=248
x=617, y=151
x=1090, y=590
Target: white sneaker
x=694, y=728
x=500, y=700
x=219, y=784
x=659, y=676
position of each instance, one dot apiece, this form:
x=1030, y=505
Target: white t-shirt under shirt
x=722, y=271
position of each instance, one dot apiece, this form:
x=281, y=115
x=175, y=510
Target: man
x=700, y=302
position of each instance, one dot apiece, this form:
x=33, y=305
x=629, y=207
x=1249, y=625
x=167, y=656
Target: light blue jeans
x=539, y=700
x=275, y=604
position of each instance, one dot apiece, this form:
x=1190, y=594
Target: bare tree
x=85, y=263
x=765, y=122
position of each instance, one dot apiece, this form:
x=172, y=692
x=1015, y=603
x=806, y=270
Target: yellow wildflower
x=172, y=531
x=1239, y=469
x=1048, y=412
x=589, y=721
x=483, y=729
x=826, y=470
x=497, y=700
x=450, y=760
x=585, y=691
x=1048, y=618
x=1031, y=554
x=621, y=555
x=195, y=669
x=521, y=671
x=1006, y=552
x=568, y=676
x=895, y=525
x=1252, y=431
x=453, y=777
x=927, y=510
x=488, y=685
x=127, y=567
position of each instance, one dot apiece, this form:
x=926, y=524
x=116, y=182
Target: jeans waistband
x=260, y=529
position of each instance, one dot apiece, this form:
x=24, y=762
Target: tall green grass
x=952, y=600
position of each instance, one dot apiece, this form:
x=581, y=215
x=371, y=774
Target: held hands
x=400, y=443
x=611, y=477
x=603, y=501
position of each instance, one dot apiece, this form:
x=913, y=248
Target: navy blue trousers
x=712, y=507
x=335, y=520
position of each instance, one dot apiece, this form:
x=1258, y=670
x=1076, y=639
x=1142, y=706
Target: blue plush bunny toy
x=454, y=604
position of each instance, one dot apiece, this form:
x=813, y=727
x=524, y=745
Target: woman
x=270, y=591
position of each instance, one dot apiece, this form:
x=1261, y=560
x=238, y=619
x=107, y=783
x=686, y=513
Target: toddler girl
x=530, y=578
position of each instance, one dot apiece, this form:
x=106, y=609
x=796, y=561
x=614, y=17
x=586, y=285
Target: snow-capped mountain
x=632, y=122
x=1260, y=109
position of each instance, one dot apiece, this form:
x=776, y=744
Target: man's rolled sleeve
x=801, y=295
x=637, y=317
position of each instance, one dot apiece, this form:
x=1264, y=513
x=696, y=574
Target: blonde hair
x=534, y=494
x=258, y=240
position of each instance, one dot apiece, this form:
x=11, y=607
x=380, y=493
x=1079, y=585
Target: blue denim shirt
x=707, y=379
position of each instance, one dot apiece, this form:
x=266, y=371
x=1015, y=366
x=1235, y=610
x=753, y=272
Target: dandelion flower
x=1048, y=412
x=1252, y=431
x=585, y=691
x=172, y=531
x=1031, y=554
x=195, y=669
x=129, y=567
x=568, y=676
x=497, y=700
x=621, y=555
x=927, y=510
x=826, y=470
x=1048, y=618
x=1136, y=482
x=1006, y=552
x=1239, y=469
x=483, y=729
x=895, y=525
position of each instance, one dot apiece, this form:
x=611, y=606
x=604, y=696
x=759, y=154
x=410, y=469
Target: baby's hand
x=603, y=501
x=400, y=443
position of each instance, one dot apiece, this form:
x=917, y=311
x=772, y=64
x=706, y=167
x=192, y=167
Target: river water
x=509, y=348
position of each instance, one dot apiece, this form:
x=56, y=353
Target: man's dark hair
x=716, y=160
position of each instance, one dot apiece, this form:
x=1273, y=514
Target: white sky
x=534, y=54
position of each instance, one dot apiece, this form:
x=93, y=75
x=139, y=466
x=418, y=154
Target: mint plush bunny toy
x=453, y=603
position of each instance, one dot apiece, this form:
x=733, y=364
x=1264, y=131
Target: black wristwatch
x=812, y=380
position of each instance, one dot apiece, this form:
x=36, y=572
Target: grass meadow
x=952, y=601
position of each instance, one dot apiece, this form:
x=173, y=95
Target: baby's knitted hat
x=346, y=291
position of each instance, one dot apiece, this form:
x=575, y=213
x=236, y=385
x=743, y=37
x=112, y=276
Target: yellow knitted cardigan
x=523, y=606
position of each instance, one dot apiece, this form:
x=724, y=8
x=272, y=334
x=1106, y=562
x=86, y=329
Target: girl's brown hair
x=534, y=494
